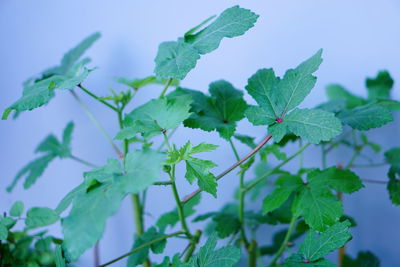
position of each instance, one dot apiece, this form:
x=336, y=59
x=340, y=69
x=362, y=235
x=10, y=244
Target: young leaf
x=16, y=209
x=312, y=125
x=316, y=246
x=175, y=59
x=339, y=180
x=136, y=84
x=380, y=86
x=247, y=140
x=318, y=206
x=220, y=111
x=38, y=217
x=234, y=21
x=155, y=116
x=366, y=117
x=337, y=92
x=285, y=186
x=224, y=257
x=200, y=169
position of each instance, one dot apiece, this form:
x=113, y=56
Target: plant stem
x=252, y=251
x=231, y=168
x=136, y=203
x=96, y=123
x=266, y=174
x=179, y=205
x=84, y=162
x=372, y=165
x=163, y=183
x=323, y=153
x=192, y=246
x=96, y=255
x=169, y=137
x=166, y=87
x=142, y=247
x=97, y=98
x=342, y=250
x=301, y=160
x=242, y=194
x=284, y=243
x=373, y=181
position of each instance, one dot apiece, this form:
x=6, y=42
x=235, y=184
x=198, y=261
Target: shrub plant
x=304, y=206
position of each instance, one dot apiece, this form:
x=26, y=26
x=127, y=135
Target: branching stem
x=97, y=98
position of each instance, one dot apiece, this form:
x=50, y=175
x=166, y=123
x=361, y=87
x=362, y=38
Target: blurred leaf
x=337, y=92
x=380, y=86
x=16, y=209
x=38, y=217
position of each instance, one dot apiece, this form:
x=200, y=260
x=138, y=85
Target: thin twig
x=84, y=162
x=231, y=168
x=97, y=123
x=97, y=98
x=373, y=181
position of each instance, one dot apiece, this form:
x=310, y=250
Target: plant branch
x=284, y=243
x=84, y=162
x=166, y=87
x=373, y=181
x=266, y=174
x=97, y=98
x=192, y=246
x=231, y=168
x=142, y=247
x=96, y=123
x=372, y=165
x=163, y=183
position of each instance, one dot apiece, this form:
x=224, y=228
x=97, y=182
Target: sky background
x=359, y=38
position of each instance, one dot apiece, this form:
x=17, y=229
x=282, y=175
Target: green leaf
x=312, y=125
x=175, y=59
x=220, y=111
x=67, y=75
x=285, y=186
x=184, y=153
x=333, y=105
x=200, y=169
x=339, y=180
x=8, y=222
x=141, y=256
x=393, y=185
x=224, y=257
x=136, y=84
x=392, y=105
x=16, y=209
x=296, y=260
x=67, y=200
x=380, y=86
x=172, y=218
x=364, y=259
x=59, y=259
x=392, y=156
x=32, y=171
x=3, y=232
x=337, y=92
x=195, y=29
x=85, y=224
x=38, y=217
x=316, y=246
x=277, y=240
x=366, y=117
x=234, y=21
x=155, y=116
x=226, y=224
x=297, y=84
x=67, y=135
x=318, y=206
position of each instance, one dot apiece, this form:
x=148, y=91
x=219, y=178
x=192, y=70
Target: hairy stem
x=84, y=162
x=231, y=168
x=147, y=244
x=96, y=123
x=97, y=98
x=166, y=87
x=284, y=243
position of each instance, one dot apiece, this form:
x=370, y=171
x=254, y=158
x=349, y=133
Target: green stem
x=96, y=123
x=84, y=162
x=323, y=153
x=163, y=183
x=97, y=98
x=372, y=165
x=145, y=245
x=169, y=137
x=284, y=243
x=266, y=174
x=234, y=149
x=252, y=251
x=301, y=160
x=231, y=168
x=166, y=87
x=192, y=246
x=179, y=205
